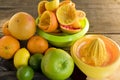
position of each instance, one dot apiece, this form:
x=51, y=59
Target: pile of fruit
x=36, y=54
x=55, y=63
x=56, y=17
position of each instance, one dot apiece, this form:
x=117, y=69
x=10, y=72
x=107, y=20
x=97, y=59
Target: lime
x=25, y=73
x=35, y=61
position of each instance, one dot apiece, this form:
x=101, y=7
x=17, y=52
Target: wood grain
x=103, y=15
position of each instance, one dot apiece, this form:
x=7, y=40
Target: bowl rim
x=118, y=57
x=95, y=71
x=65, y=38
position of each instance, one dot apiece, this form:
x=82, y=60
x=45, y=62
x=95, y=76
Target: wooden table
x=103, y=15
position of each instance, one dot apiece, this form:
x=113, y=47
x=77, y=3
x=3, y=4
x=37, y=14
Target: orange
x=8, y=47
x=48, y=22
x=37, y=44
x=80, y=16
x=41, y=7
x=5, y=28
x=22, y=25
x=52, y=5
x=67, y=2
x=66, y=14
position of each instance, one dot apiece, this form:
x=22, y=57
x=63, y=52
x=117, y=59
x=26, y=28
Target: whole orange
x=8, y=46
x=22, y=25
x=37, y=44
x=5, y=28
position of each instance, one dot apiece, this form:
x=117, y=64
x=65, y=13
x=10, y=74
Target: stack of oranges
x=21, y=28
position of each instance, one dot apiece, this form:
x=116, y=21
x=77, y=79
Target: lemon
x=21, y=57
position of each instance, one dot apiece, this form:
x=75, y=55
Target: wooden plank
x=103, y=15
x=18, y=3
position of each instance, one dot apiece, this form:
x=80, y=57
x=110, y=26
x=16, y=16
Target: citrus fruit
x=67, y=2
x=22, y=26
x=21, y=57
x=8, y=46
x=80, y=14
x=66, y=14
x=37, y=44
x=5, y=28
x=72, y=30
x=48, y=22
x=35, y=61
x=52, y=5
x=41, y=7
x=25, y=73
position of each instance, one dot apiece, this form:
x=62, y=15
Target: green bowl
x=64, y=40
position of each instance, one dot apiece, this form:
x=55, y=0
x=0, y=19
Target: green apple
x=57, y=64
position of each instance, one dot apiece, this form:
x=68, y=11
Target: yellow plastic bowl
x=92, y=71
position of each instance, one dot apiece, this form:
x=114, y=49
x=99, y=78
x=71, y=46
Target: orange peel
x=48, y=22
x=80, y=16
x=41, y=7
x=66, y=14
x=67, y=2
x=52, y=5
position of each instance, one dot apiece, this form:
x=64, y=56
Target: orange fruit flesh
x=48, y=22
x=67, y=2
x=66, y=14
x=41, y=7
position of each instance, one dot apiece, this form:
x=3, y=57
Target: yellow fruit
x=41, y=7
x=48, y=22
x=81, y=15
x=66, y=14
x=52, y=5
x=67, y=2
x=22, y=26
x=21, y=57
